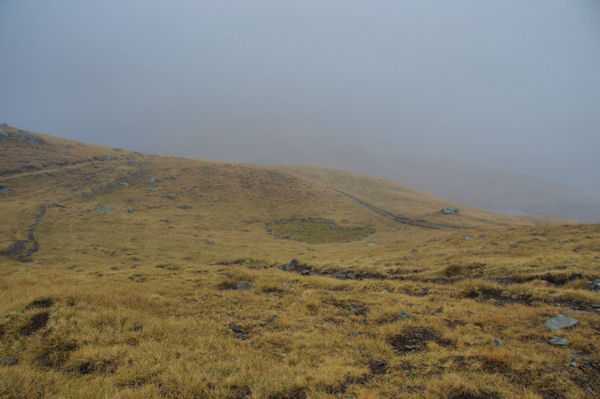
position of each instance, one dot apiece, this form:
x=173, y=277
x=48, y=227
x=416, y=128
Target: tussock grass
x=128, y=306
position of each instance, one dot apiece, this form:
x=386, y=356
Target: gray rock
x=124, y=184
x=560, y=322
x=28, y=137
x=3, y=133
x=414, y=251
x=355, y=333
x=400, y=228
x=371, y=244
x=403, y=315
x=130, y=210
x=174, y=177
x=152, y=180
x=199, y=198
x=130, y=162
x=209, y=241
x=5, y=191
x=305, y=272
x=563, y=240
x=291, y=265
x=184, y=207
x=243, y=287
x=215, y=198
x=350, y=276
x=496, y=341
x=165, y=220
x=105, y=210
x=450, y=211
x=467, y=237
x=138, y=327
x=595, y=285
x=571, y=261
x=237, y=330
x=107, y=158
x=556, y=341
x=8, y=361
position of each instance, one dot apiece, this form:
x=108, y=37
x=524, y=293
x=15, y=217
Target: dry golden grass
x=142, y=304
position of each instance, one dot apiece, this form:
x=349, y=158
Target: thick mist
x=493, y=104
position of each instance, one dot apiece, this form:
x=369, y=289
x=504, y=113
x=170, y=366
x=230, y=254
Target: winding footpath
x=400, y=219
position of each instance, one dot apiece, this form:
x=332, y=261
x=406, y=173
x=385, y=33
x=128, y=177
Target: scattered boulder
x=28, y=137
x=138, y=327
x=556, y=341
x=496, y=341
x=152, y=180
x=3, y=133
x=371, y=244
x=450, y=211
x=467, y=237
x=291, y=265
x=174, y=177
x=105, y=210
x=403, y=315
x=165, y=220
x=305, y=272
x=130, y=210
x=124, y=184
x=559, y=322
x=414, y=251
x=184, y=207
x=215, y=198
x=563, y=240
x=239, y=334
x=4, y=190
x=199, y=198
x=399, y=228
x=209, y=241
x=8, y=361
x=243, y=287
x=595, y=285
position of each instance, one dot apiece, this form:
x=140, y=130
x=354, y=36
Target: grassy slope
x=141, y=306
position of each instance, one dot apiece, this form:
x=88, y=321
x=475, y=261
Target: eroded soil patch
x=35, y=323
x=415, y=339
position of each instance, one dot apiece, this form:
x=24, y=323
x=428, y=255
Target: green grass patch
x=316, y=231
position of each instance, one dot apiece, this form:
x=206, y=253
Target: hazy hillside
x=127, y=275
x=435, y=173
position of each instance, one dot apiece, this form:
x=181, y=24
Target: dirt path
x=400, y=219
x=23, y=249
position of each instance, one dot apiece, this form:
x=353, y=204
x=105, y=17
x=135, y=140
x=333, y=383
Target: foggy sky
x=505, y=84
